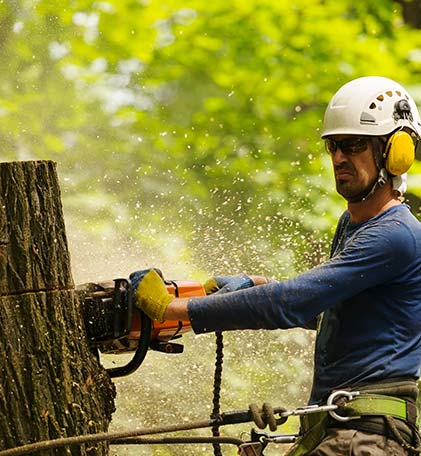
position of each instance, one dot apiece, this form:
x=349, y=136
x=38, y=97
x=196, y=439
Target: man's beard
x=352, y=189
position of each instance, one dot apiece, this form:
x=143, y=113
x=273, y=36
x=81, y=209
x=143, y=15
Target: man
x=366, y=299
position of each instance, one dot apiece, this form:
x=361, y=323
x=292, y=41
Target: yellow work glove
x=211, y=286
x=227, y=283
x=151, y=293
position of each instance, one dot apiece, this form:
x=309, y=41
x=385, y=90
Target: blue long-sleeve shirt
x=369, y=295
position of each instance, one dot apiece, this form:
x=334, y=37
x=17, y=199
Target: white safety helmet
x=371, y=106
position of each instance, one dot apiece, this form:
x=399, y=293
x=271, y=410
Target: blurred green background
x=187, y=138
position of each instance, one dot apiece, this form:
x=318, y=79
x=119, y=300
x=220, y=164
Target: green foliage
x=187, y=133
x=207, y=113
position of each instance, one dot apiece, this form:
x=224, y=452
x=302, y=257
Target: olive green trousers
x=349, y=442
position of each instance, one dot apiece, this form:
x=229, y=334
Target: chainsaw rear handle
x=141, y=350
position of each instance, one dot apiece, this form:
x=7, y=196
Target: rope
x=398, y=437
x=177, y=440
x=216, y=411
x=99, y=437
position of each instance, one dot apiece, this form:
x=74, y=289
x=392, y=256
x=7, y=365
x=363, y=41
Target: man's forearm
x=177, y=310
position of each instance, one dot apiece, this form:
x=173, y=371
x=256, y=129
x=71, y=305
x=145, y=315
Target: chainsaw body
x=115, y=325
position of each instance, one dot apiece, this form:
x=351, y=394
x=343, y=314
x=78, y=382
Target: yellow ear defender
x=399, y=153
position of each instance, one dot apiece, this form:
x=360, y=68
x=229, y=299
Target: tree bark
x=51, y=386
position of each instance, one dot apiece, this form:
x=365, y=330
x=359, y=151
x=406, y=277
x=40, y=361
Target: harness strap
x=313, y=430
x=375, y=404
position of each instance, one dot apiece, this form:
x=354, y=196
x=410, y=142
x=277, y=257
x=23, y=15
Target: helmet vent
x=381, y=98
x=367, y=118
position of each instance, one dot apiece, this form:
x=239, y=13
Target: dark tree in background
x=50, y=384
x=411, y=10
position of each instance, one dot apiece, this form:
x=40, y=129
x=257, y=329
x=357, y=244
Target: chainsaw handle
x=141, y=350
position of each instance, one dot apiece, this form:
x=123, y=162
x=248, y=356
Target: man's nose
x=338, y=156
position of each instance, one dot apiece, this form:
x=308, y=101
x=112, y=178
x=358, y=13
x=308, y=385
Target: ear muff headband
x=399, y=153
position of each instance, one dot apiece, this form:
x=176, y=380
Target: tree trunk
x=411, y=11
x=50, y=384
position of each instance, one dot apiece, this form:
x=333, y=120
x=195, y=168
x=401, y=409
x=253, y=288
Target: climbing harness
x=356, y=406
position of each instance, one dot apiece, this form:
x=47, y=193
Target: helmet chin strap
x=382, y=178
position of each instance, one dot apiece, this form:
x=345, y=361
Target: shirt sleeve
x=372, y=256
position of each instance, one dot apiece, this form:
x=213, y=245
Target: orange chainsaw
x=115, y=325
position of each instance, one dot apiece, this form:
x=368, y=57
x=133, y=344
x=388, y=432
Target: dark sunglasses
x=348, y=146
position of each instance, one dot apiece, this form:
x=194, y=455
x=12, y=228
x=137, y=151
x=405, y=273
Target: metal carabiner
x=331, y=401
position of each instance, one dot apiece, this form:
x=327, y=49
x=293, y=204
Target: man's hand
x=151, y=293
x=225, y=284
